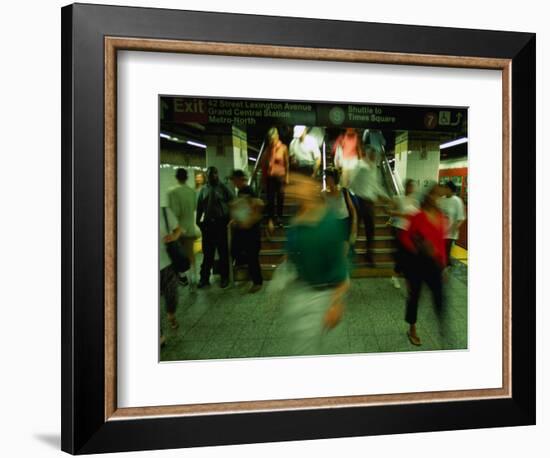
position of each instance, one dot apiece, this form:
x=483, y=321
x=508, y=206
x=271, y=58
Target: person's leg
x=361, y=212
x=434, y=280
x=360, y=209
x=280, y=198
x=271, y=190
x=169, y=289
x=254, y=268
x=411, y=312
x=222, y=247
x=448, y=246
x=369, y=227
x=237, y=247
x=208, y=250
x=397, y=258
x=187, y=248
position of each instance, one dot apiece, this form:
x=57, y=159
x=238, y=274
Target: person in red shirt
x=425, y=244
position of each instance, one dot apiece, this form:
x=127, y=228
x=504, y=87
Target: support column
x=227, y=150
x=417, y=157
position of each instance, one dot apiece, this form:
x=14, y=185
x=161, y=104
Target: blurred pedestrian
x=200, y=181
x=169, y=232
x=453, y=207
x=317, y=252
x=338, y=199
x=277, y=174
x=425, y=243
x=348, y=151
x=365, y=186
x=182, y=200
x=246, y=215
x=402, y=208
x=212, y=218
x=375, y=139
x=305, y=155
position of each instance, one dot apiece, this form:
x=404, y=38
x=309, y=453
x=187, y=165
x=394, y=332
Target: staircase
x=273, y=248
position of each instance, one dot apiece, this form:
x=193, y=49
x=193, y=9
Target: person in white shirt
x=403, y=206
x=348, y=150
x=453, y=208
x=169, y=231
x=182, y=200
x=364, y=185
x=338, y=199
x=304, y=152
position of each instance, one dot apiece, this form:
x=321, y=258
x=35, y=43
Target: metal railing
x=253, y=180
x=393, y=184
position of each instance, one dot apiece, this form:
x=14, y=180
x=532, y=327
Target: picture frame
x=91, y=37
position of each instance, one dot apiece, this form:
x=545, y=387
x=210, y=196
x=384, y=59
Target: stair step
x=275, y=256
x=380, y=241
x=379, y=230
x=361, y=270
x=359, y=250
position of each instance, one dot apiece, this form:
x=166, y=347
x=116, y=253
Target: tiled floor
x=219, y=324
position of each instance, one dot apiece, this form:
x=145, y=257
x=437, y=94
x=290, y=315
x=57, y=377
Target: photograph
x=266, y=225
x=292, y=228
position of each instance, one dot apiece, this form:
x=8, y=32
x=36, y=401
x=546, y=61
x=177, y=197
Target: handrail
x=395, y=188
x=399, y=181
x=257, y=165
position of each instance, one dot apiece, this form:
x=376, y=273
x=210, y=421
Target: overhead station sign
x=249, y=112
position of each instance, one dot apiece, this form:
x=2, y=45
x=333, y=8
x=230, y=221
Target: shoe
x=254, y=289
x=203, y=284
x=415, y=340
x=395, y=282
x=183, y=280
x=224, y=283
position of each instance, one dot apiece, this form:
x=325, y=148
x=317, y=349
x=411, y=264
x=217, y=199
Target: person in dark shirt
x=246, y=214
x=213, y=218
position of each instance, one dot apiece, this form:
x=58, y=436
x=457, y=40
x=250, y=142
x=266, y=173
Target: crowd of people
x=321, y=237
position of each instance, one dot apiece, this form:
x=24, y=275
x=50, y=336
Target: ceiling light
x=198, y=145
x=458, y=141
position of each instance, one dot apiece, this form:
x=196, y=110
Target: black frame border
x=84, y=429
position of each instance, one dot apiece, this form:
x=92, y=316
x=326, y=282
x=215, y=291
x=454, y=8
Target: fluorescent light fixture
x=458, y=141
x=168, y=137
x=198, y=145
x=252, y=159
